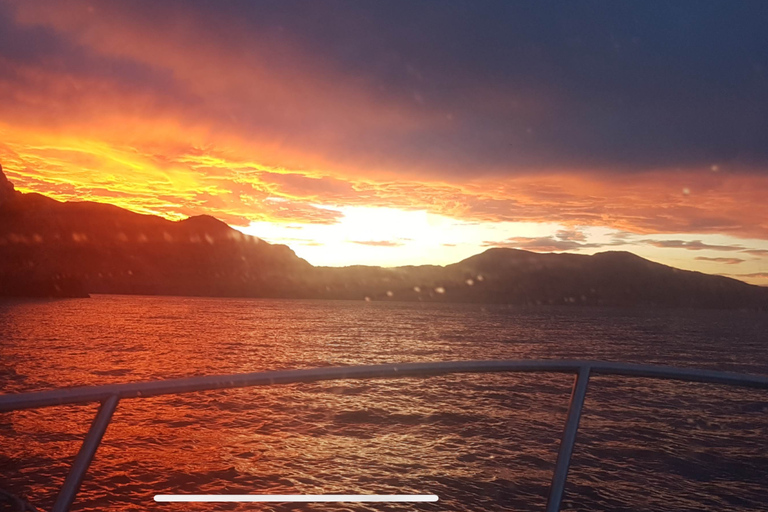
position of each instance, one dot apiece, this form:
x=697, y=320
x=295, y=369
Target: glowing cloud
x=374, y=145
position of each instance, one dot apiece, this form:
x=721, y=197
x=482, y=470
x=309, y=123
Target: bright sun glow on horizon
x=392, y=237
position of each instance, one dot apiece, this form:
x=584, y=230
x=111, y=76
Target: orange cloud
x=693, y=245
x=727, y=261
x=203, y=116
x=378, y=243
x=296, y=111
x=759, y=278
x=194, y=180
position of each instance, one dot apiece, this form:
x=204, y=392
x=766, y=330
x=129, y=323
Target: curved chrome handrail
x=110, y=395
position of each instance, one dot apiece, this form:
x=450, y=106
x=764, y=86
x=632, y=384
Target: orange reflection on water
x=479, y=442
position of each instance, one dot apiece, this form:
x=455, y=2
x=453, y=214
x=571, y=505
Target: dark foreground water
x=480, y=442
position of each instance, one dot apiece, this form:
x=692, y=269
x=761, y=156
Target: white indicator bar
x=303, y=498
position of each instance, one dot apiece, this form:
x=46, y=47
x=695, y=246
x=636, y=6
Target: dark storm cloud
x=42, y=46
x=509, y=87
x=549, y=84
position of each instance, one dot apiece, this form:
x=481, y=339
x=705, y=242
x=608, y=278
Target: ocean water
x=480, y=442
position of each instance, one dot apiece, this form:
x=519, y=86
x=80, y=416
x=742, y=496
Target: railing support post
x=85, y=455
x=560, y=475
x=108, y=394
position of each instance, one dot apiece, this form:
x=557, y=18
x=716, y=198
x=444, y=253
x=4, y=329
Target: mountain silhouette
x=85, y=247
x=72, y=249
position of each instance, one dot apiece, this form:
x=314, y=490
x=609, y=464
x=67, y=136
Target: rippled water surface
x=480, y=442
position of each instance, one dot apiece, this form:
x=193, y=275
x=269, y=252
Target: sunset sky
x=413, y=132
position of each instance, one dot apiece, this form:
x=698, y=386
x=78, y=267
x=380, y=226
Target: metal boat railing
x=110, y=395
